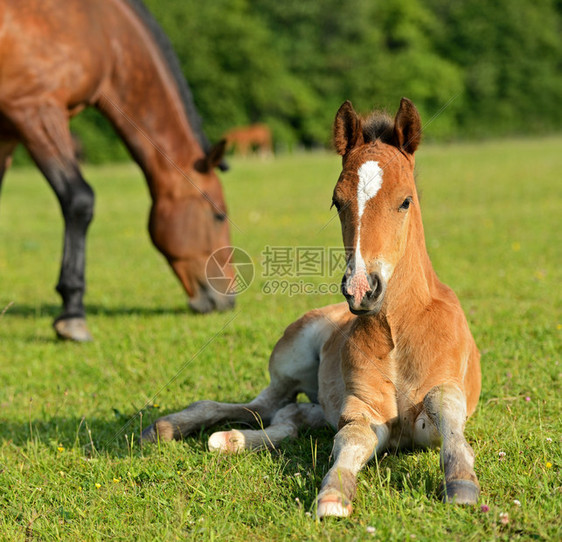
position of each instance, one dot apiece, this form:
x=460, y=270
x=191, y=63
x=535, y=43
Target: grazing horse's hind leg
x=446, y=407
x=44, y=130
x=6, y=150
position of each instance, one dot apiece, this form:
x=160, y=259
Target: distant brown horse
x=246, y=139
x=56, y=58
x=396, y=366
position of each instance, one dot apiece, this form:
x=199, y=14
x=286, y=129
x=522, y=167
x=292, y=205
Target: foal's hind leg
x=293, y=368
x=446, y=407
x=44, y=129
x=208, y=413
x=284, y=424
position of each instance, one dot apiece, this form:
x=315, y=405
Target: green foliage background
x=495, y=67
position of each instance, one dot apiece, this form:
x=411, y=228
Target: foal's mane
x=378, y=125
x=163, y=43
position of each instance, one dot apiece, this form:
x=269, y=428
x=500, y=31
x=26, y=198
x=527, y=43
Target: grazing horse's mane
x=171, y=59
x=378, y=125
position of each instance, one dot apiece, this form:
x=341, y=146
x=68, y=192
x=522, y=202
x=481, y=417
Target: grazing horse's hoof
x=333, y=504
x=460, y=492
x=72, y=329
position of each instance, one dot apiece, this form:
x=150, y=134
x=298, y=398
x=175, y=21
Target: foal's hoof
x=149, y=435
x=460, y=492
x=227, y=442
x=333, y=504
x=72, y=329
x=159, y=430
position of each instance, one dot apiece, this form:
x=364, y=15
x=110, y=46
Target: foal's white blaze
x=370, y=182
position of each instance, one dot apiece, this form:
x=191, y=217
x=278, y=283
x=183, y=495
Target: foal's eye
x=336, y=204
x=405, y=204
x=220, y=217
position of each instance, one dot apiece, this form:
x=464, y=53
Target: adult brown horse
x=402, y=370
x=244, y=139
x=56, y=58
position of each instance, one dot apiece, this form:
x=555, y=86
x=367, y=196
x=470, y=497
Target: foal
x=394, y=367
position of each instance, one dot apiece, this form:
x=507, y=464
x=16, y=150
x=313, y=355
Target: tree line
x=474, y=68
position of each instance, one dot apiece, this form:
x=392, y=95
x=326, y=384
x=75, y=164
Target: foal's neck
x=411, y=287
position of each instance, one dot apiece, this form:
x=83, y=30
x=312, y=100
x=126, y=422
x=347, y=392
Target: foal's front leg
x=354, y=445
x=446, y=407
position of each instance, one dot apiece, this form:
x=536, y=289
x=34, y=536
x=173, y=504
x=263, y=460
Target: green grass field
x=70, y=462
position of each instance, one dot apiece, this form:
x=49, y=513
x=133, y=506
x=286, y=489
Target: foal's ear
x=348, y=130
x=407, y=127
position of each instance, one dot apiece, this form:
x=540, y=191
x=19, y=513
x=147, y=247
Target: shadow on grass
x=94, y=435
x=303, y=462
x=47, y=309
x=113, y=436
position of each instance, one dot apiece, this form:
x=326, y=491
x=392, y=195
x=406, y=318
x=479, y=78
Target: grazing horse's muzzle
x=364, y=292
x=208, y=300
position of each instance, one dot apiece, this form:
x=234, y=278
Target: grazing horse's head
x=190, y=227
x=375, y=197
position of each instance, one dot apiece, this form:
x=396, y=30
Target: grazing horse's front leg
x=355, y=444
x=77, y=204
x=446, y=407
x=44, y=128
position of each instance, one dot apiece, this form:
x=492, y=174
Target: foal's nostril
x=376, y=286
x=374, y=282
x=343, y=285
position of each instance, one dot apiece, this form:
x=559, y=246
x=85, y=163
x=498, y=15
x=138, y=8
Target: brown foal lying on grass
x=394, y=367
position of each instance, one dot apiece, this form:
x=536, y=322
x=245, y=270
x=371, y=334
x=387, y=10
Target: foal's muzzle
x=371, y=300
